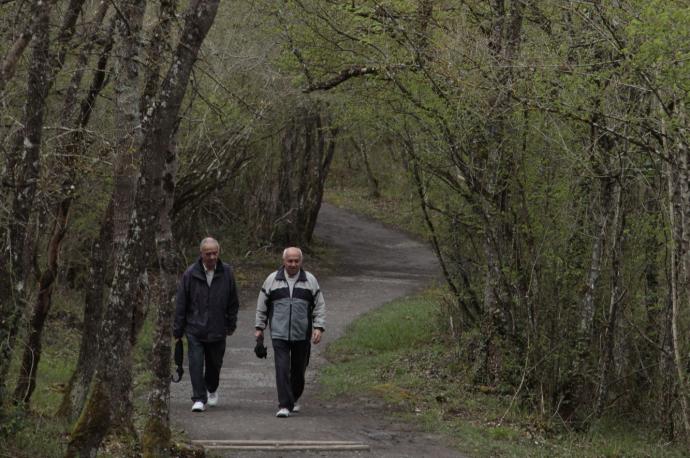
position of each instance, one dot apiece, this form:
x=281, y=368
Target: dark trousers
x=208, y=356
x=291, y=360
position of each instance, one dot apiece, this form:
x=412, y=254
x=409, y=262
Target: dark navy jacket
x=209, y=313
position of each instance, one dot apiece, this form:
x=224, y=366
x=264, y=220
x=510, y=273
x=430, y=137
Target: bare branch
x=353, y=72
x=9, y=63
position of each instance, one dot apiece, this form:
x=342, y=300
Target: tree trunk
x=308, y=147
x=284, y=213
x=609, y=337
x=69, y=148
x=470, y=308
x=653, y=299
x=156, y=439
x=160, y=35
x=372, y=182
x=26, y=158
x=128, y=139
x=493, y=188
x=320, y=166
x=679, y=197
x=586, y=321
x=127, y=115
x=32, y=351
x=90, y=347
x=131, y=260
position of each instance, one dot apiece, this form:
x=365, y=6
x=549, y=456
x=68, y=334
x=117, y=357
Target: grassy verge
x=394, y=356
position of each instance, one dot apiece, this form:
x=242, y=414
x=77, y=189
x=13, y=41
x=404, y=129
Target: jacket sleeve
x=262, y=306
x=319, y=313
x=181, y=306
x=232, y=307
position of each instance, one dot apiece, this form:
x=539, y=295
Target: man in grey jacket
x=292, y=305
x=206, y=311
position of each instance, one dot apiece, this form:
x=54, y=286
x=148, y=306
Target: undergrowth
x=395, y=355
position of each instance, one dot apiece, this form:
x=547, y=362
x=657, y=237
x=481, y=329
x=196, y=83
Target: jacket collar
x=199, y=268
x=281, y=275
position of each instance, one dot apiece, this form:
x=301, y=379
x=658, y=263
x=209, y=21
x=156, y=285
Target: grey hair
x=207, y=241
x=292, y=247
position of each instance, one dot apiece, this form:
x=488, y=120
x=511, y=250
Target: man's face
x=292, y=262
x=209, y=255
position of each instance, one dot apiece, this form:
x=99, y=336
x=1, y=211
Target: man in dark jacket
x=292, y=305
x=206, y=312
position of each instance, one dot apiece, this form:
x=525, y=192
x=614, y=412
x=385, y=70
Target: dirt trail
x=378, y=265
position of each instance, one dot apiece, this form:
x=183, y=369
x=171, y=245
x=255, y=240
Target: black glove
x=260, y=349
x=179, y=357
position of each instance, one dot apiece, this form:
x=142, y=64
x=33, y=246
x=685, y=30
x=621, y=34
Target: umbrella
x=179, y=357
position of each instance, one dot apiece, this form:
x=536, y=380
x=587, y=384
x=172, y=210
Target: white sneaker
x=283, y=413
x=296, y=408
x=198, y=407
x=213, y=399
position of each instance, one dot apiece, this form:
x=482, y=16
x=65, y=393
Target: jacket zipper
x=290, y=314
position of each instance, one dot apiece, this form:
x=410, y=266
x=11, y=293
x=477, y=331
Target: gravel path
x=377, y=265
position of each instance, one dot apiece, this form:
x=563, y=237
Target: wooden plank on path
x=222, y=444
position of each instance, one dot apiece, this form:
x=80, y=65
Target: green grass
x=394, y=355
x=36, y=432
x=33, y=435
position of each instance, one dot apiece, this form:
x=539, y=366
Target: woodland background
x=544, y=146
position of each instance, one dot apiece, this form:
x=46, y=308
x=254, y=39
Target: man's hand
x=258, y=333
x=316, y=336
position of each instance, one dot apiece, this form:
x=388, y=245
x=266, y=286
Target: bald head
x=292, y=251
x=292, y=260
x=209, y=249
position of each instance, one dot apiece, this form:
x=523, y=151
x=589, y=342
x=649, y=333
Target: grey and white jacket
x=290, y=316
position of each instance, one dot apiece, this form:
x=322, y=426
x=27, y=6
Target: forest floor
x=375, y=265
